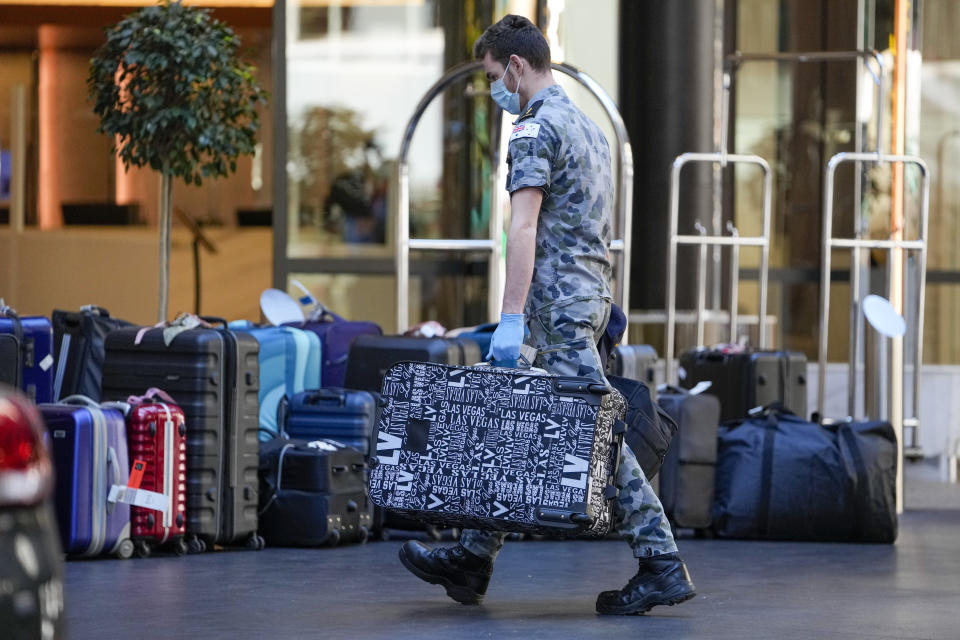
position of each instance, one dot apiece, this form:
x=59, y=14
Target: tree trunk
x=166, y=206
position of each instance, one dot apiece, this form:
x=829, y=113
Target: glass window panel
x=354, y=75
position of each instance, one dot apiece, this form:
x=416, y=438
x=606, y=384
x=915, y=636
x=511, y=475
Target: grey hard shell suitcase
x=636, y=362
x=746, y=380
x=371, y=356
x=689, y=470
x=213, y=375
x=499, y=449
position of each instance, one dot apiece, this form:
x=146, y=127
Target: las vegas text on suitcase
x=499, y=449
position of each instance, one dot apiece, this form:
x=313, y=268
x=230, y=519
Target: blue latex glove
x=506, y=341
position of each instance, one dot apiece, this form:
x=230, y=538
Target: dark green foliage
x=170, y=85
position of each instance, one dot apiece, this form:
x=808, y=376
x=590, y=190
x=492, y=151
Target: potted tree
x=170, y=86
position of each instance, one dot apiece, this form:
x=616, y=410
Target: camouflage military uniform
x=557, y=148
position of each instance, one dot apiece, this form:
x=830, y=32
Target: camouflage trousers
x=566, y=338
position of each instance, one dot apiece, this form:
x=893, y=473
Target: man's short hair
x=514, y=35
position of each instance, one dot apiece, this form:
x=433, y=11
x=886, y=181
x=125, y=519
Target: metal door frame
x=403, y=243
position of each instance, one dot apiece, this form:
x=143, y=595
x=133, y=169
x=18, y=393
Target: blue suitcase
x=289, y=363
x=343, y=415
x=34, y=366
x=89, y=446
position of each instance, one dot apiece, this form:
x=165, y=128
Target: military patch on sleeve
x=531, y=111
x=531, y=130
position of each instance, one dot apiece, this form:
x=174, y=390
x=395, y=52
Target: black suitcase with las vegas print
x=499, y=449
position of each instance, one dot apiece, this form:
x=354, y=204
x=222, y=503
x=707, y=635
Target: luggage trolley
x=702, y=240
x=493, y=246
x=856, y=245
x=732, y=65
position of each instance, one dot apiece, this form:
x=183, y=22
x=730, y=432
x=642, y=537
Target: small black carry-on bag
x=501, y=449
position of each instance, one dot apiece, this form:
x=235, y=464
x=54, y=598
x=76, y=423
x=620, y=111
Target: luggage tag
x=132, y=494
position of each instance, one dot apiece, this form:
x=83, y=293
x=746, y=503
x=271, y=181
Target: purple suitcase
x=34, y=335
x=89, y=446
x=335, y=335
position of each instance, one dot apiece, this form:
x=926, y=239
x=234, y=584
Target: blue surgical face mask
x=509, y=102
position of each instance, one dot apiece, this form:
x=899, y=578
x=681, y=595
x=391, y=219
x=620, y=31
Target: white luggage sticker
x=530, y=130
x=138, y=498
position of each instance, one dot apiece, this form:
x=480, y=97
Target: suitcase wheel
x=180, y=547
x=143, y=549
x=196, y=545
x=125, y=550
x=333, y=538
x=364, y=535
x=256, y=543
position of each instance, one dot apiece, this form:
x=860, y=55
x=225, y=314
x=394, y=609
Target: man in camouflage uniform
x=558, y=284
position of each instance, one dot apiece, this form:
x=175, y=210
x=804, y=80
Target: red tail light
x=25, y=470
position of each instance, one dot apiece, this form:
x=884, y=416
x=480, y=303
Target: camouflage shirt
x=556, y=147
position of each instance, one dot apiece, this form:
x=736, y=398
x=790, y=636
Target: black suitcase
x=11, y=362
x=688, y=473
x=213, y=375
x=750, y=379
x=370, y=356
x=312, y=493
x=636, y=362
x=79, y=347
x=781, y=477
x=500, y=449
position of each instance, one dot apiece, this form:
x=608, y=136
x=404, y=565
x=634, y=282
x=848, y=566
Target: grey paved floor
x=540, y=590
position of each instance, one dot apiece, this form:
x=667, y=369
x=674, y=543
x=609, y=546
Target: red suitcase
x=156, y=435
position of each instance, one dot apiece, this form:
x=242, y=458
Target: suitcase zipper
x=168, y=444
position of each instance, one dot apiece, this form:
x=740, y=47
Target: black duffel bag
x=649, y=428
x=781, y=477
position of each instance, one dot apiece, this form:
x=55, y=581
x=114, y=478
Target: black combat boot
x=464, y=575
x=661, y=580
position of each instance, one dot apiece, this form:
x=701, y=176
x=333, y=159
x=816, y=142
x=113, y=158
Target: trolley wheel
x=196, y=545
x=364, y=535
x=255, y=543
x=125, y=550
x=142, y=549
x=180, y=547
x=333, y=538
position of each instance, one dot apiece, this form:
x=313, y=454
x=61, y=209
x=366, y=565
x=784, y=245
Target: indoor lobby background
x=315, y=201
